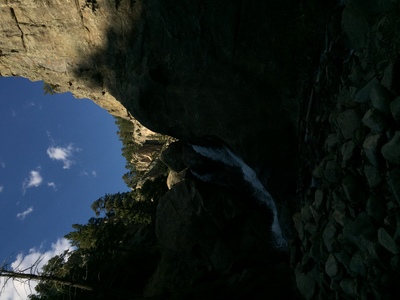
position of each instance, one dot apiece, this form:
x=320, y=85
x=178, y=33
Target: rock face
x=45, y=40
x=181, y=69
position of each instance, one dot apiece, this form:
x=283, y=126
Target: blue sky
x=57, y=155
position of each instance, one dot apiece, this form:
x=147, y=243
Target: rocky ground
x=349, y=224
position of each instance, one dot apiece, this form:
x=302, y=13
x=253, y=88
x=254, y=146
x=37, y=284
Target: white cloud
x=14, y=290
x=94, y=173
x=53, y=185
x=34, y=180
x=23, y=214
x=1, y=188
x=63, y=154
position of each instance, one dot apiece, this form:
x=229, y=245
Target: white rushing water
x=227, y=157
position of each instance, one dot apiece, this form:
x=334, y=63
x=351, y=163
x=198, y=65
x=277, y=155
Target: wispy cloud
x=23, y=214
x=1, y=188
x=53, y=185
x=34, y=180
x=64, y=154
x=13, y=290
x=94, y=173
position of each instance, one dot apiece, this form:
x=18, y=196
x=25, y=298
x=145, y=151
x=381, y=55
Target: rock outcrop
x=181, y=69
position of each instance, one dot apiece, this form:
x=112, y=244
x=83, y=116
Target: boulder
x=373, y=176
x=332, y=171
x=381, y=98
x=375, y=120
x=318, y=200
x=371, y=147
x=332, y=140
x=375, y=208
x=391, y=150
x=363, y=95
x=349, y=287
x=348, y=121
x=332, y=267
x=172, y=157
x=393, y=182
x=318, y=171
x=395, y=109
x=328, y=236
x=357, y=266
x=306, y=282
x=175, y=177
x=340, y=217
x=360, y=232
x=347, y=150
x=387, y=241
x=353, y=189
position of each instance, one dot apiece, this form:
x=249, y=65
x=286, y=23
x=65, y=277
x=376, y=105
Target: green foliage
x=115, y=252
x=130, y=146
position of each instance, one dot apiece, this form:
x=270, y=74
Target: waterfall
x=224, y=155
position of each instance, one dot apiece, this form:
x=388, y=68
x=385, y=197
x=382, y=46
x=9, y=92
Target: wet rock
x=357, y=266
x=353, y=189
x=373, y=176
x=391, y=150
x=375, y=120
x=381, y=98
x=375, y=208
x=332, y=171
x=348, y=121
x=387, y=241
x=349, y=287
x=363, y=95
x=394, y=183
x=371, y=148
x=329, y=236
x=332, y=266
x=360, y=232
x=395, y=108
